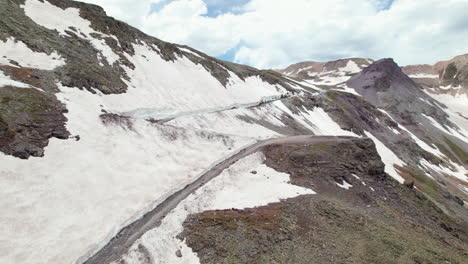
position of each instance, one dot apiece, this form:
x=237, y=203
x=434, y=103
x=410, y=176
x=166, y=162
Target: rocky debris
x=28, y=119
x=115, y=119
x=375, y=221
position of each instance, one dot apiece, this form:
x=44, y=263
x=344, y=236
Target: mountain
x=326, y=73
x=118, y=147
x=446, y=81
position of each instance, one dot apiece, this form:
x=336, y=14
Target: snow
x=355, y=176
x=394, y=130
x=25, y=57
x=191, y=52
x=346, y=89
x=388, y=157
x=351, y=67
x=422, y=144
x=6, y=81
x=419, y=142
x=322, y=124
x=55, y=214
x=457, y=104
x=423, y=75
x=229, y=122
x=346, y=185
x=158, y=83
x=447, y=129
x=458, y=171
x=217, y=194
x=335, y=77
x=329, y=79
x=56, y=18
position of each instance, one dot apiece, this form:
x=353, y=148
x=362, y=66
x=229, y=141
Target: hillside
x=118, y=147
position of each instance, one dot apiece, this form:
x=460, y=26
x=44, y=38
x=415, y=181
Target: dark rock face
x=385, y=85
x=375, y=221
x=28, y=119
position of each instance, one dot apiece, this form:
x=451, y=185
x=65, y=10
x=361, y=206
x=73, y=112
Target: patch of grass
x=451, y=71
x=424, y=183
x=457, y=150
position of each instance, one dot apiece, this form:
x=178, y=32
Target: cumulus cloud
x=275, y=33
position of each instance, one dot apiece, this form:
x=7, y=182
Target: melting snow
x=351, y=67
x=56, y=18
x=345, y=185
x=446, y=129
x=6, y=81
x=191, y=52
x=388, y=157
x=423, y=75
x=217, y=194
x=82, y=192
x=25, y=57
x=459, y=171
x=158, y=83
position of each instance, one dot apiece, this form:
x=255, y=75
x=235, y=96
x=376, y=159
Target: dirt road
x=120, y=244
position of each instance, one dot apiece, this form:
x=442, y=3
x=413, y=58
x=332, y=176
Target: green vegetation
x=461, y=154
x=450, y=72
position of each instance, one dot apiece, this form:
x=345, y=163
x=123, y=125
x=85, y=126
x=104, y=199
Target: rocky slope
x=101, y=124
x=446, y=81
x=449, y=76
x=359, y=215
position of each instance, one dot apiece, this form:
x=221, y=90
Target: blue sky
x=276, y=33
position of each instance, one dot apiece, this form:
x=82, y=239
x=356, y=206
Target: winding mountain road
x=119, y=245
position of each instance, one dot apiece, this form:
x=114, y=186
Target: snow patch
x=191, y=52
x=25, y=57
x=423, y=75
x=6, y=81
x=55, y=18
x=322, y=124
x=458, y=171
x=346, y=185
x=351, y=67
x=388, y=157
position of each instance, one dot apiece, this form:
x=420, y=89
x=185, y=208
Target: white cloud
x=275, y=33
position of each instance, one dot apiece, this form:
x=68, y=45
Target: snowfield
x=238, y=179
x=17, y=51
x=82, y=192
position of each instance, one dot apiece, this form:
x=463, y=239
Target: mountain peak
x=382, y=75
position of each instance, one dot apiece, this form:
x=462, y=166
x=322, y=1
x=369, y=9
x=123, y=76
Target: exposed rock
x=388, y=223
x=28, y=119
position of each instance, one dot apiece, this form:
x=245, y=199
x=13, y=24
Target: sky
x=277, y=33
